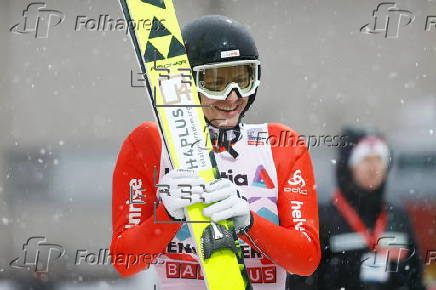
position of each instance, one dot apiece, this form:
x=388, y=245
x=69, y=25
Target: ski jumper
x=273, y=168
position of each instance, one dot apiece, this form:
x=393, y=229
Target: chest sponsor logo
x=262, y=178
x=267, y=274
x=238, y=179
x=187, y=267
x=186, y=248
x=262, y=274
x=183, y=270
x=174, y=247
x=296, y=183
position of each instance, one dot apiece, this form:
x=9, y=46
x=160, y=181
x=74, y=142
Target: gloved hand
x=179, y=189
x=229, y=203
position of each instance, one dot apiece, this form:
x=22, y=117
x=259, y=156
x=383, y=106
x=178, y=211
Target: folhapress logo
x=38, y=20
x=37, y=254
x=387, y=19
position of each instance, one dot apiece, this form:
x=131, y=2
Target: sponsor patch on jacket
x=266, y=274
x=254, y=136
x=296, y=183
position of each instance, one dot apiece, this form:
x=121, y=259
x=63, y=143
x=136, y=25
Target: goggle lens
x=217, y=79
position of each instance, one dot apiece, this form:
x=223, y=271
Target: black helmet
x=216, y=38
x=207, y=37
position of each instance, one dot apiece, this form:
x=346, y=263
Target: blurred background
x=67, y=103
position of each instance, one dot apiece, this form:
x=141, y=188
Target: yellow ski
x=158, y=43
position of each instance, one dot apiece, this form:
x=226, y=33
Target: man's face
x=223, y=113
x=370, y=172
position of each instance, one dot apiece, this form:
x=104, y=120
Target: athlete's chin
x=228, y=124
x=225, y=122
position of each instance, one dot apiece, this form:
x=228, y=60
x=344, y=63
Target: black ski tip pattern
x=176, y=48
x=158, y=29
x=157, y=3
x=151, y=53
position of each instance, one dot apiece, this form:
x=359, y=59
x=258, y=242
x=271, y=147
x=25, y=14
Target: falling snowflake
x=393, y=75
x=409, y=85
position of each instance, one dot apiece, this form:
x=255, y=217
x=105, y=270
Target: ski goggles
x=216, y=81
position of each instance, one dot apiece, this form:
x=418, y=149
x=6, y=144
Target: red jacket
x=292, y=241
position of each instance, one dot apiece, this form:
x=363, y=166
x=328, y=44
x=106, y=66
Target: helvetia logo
x=238, y=179
x=297, y=217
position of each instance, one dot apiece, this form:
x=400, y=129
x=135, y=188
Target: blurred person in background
x=366, y=242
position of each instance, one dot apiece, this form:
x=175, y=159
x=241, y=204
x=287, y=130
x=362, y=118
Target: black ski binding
x=216, y=237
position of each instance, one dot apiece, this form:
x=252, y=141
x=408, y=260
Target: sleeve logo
x=134, y=202
x=296, y=183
